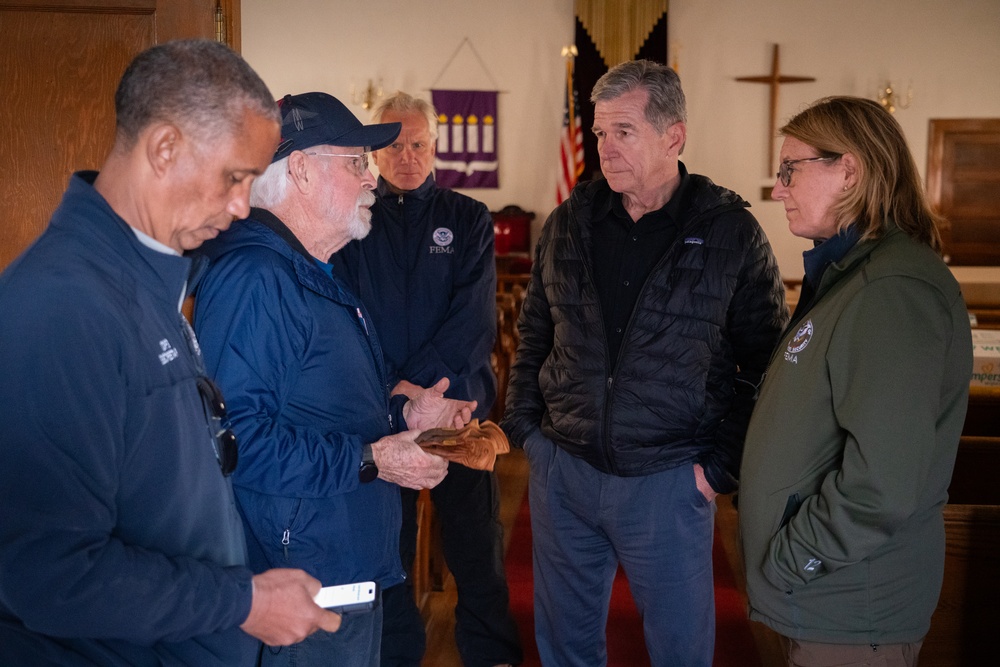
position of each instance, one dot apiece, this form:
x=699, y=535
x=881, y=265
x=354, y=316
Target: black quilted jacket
x=696, y=347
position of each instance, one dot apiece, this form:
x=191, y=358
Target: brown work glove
x=474, y=446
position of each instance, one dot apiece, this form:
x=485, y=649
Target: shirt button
x=618, y=330
x=625, y=283
x=635, y=238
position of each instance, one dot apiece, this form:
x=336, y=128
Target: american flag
x=570, y=145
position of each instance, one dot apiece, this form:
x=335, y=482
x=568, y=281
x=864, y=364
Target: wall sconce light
x=891, y=99
x=367, y=98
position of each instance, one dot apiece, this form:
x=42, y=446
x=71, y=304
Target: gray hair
x=666, y=104
x=402, y=103
x=201, y=85
x=270, y=188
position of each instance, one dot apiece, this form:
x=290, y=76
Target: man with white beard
x=323, y=446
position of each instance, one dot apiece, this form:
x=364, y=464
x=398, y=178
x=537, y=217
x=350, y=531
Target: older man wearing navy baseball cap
x=323, y=445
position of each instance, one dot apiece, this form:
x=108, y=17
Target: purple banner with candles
x=466, y=155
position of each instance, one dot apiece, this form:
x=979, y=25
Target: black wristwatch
x=368, y=470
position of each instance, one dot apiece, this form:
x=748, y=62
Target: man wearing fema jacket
x=427, y=274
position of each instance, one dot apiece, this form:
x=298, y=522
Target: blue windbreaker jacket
x=301, y=367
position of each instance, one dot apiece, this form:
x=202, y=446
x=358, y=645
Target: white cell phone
x=361, y=596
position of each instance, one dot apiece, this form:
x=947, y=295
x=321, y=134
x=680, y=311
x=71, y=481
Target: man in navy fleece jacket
x=427, y=275
x=120, y=543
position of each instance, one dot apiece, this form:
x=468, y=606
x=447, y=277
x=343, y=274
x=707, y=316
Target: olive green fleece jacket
x=850, y=450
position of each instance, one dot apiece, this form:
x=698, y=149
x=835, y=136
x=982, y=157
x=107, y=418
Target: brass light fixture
x=367, y=97
x=891, y=99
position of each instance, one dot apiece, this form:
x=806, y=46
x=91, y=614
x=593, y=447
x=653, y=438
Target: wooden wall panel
x=75, y=60
x=60, y=63
x=963, y=184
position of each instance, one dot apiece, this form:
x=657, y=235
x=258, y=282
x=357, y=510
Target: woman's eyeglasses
x=785, y=168
x=223, y=438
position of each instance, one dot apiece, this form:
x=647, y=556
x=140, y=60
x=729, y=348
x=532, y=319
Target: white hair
x=270, y=188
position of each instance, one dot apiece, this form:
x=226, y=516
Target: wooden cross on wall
x=774, y=79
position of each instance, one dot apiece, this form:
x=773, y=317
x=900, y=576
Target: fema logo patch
x=801, y=338
x=799, y=342
x=443, y=236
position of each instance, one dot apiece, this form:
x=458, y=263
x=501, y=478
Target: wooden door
x=60, y=62
x=963, y=183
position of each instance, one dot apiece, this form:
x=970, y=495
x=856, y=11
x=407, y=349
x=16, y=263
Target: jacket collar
x=698, y=195
x=833, y=249
x=856, y=255
x=611, y=202
x=382, y=189
x=171, y=273
x=835, y=271
x=263, y=228
x=274, y=223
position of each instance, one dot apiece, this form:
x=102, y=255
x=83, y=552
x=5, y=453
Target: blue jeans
x=355, y=644
x=584, y=523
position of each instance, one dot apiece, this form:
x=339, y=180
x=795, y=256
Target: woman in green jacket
x=852, y=442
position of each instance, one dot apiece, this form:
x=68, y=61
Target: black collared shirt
x=624, y=253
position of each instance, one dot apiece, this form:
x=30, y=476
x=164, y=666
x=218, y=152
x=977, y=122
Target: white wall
x=948, y=49
x=303, y=45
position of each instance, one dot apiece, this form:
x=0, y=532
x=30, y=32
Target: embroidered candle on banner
x=467, y=138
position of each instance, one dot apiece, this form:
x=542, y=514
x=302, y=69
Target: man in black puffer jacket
x=654, y=305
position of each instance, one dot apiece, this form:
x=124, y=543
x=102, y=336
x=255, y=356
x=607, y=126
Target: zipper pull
x=285, y=541
x=363, y=323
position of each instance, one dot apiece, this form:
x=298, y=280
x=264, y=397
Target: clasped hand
x=399, y=458
x=428, y=408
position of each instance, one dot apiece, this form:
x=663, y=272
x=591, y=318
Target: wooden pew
x=967, y=617
x=981, y=291
x=964, y=626
x=504, y=349
x=983, y=416
x=509, y=297
x=507, y=281
x=986, y=318
x=974, y=480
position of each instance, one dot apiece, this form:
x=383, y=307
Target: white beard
x=361, y=223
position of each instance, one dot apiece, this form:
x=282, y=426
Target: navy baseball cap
x=313, y=119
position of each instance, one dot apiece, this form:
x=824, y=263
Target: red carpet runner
x=734, y=645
